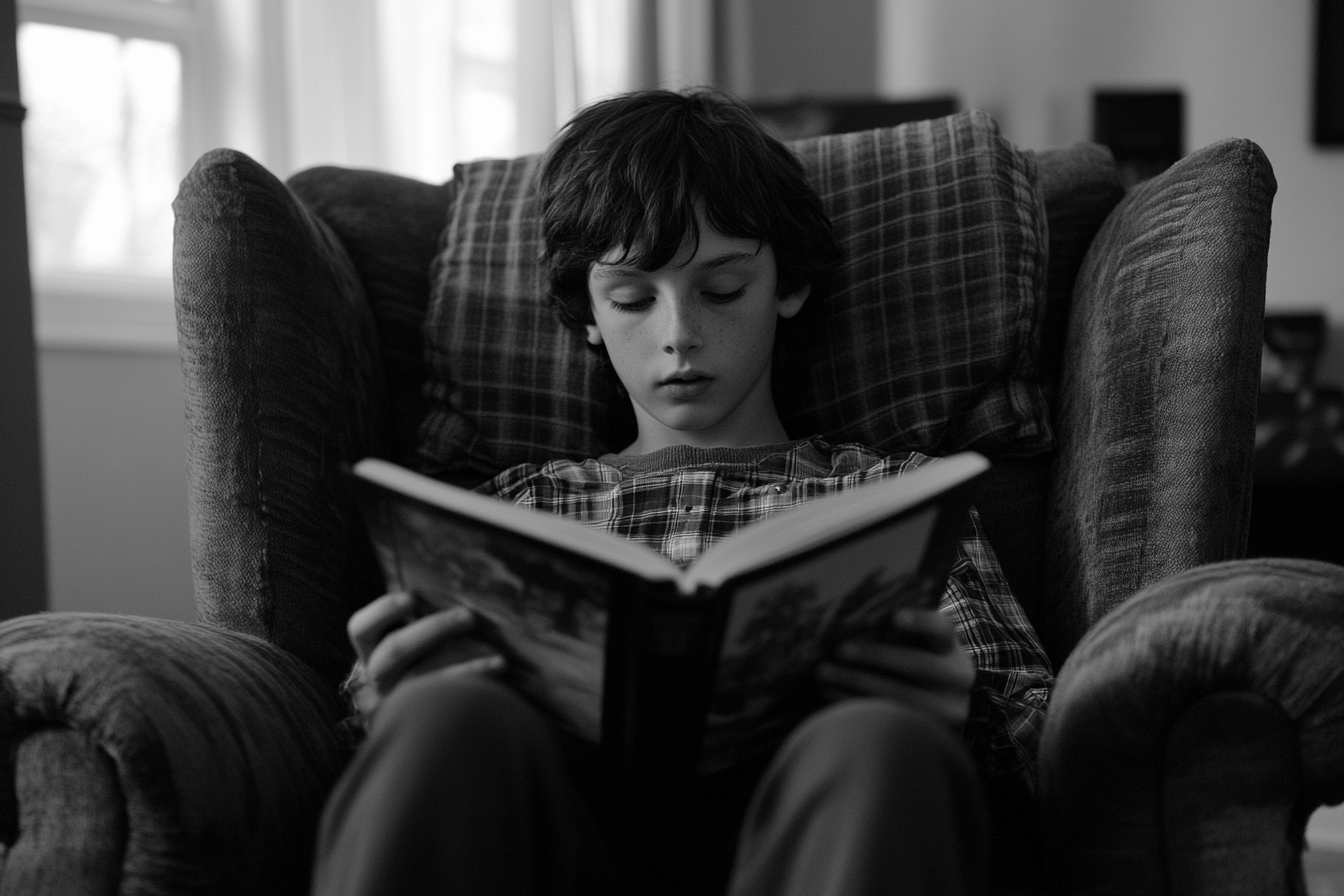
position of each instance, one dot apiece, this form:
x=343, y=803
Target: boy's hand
x=394, y=644
x=926, y=667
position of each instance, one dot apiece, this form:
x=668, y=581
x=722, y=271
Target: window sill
x=106, y=313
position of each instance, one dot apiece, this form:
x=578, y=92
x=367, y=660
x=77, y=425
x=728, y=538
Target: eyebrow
x=621, y=272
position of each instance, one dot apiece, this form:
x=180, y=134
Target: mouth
x=684, y=377
x=686, y=384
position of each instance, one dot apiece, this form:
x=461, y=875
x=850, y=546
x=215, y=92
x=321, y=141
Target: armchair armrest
x=285, y=385
x=221, y=749
x=1193, y=731
x=1160, y=373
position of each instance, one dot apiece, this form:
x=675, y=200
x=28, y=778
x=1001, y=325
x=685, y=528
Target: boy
x=680, y=238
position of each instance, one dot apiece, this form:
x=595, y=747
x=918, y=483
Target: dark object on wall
x=1328, y=119
x=1145, y=130
x=1294, y=343
x=810, y=117
x=1299, y=446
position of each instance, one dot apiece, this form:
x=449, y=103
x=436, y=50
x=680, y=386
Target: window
x=102, y=141
x=443, y=80
x=105, y=141
x=123, y=95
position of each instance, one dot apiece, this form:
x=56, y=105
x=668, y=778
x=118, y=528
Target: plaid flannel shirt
x=680, y=500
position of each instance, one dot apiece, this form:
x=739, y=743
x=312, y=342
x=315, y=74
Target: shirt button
x=778, y=489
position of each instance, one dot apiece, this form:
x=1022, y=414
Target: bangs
x=632, y=179
x=646, y=213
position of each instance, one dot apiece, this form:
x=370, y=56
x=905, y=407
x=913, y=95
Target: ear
x=792, y=303
x=594, y=334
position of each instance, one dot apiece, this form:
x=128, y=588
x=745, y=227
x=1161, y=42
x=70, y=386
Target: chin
x=689, y=425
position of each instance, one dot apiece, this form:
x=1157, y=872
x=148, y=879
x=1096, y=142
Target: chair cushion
x=390, y=227
x=1080, y=186
x=927, y=340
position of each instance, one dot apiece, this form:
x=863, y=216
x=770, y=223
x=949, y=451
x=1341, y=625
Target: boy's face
x=692, y=342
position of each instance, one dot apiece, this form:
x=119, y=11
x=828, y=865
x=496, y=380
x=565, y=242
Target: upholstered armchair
x=1101, y=348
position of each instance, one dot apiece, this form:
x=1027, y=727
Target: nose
x=681, y=330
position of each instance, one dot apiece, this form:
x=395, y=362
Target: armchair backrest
x=1122, y=357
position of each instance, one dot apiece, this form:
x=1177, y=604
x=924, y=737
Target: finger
x=489, y=664
x=950, y=670
x=839, y=682
x=926, y=627
x=456, y=650
x=406, y=646
x=369, y=624
x=466, y=657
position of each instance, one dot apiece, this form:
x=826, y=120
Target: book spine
x=660, y=657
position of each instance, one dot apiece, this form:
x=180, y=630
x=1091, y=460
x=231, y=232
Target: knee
x=467, y=716
x=873, y=740
x=873, y=777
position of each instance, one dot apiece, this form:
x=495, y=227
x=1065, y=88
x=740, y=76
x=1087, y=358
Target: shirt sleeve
x=355, y=693
x=1013, y=677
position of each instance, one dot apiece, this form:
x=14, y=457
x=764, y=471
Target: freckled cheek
x=716, y=335
x=738, y=332
x=751, y=332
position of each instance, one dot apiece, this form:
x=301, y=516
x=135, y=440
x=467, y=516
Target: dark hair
x=632, y=170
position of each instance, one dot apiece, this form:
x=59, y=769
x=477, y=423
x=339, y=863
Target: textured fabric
x=285, y=385
x=71, y=818
x=390, y=227
x=222, y=745
x=866, y=797
x=927, y=341
x=1080, y=186
x=463, y=787
x=507, y=383
x=1249, y=841
x=1157, y=401
x=1273, y=629
x=679, y=501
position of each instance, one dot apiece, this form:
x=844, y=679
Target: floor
x=1325, y=872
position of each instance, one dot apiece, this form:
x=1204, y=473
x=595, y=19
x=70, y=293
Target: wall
x=1245, y=67
x=781, y=49
x=116, y=483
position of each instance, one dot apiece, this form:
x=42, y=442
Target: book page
x=780, y=626
x=545, y=610
x=564, y=533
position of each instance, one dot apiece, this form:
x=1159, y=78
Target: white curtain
x=414, y=86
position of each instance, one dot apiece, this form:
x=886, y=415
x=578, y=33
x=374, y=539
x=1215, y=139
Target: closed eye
x=631, y=306
x=725, y=297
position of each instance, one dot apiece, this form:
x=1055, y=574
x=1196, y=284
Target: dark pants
x=463, y=787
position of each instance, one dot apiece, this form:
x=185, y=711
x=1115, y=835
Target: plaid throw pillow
x=926, y=341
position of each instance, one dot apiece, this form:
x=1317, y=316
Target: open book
x=673, y=670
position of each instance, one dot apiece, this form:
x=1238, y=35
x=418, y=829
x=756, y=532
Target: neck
x=742, y=431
